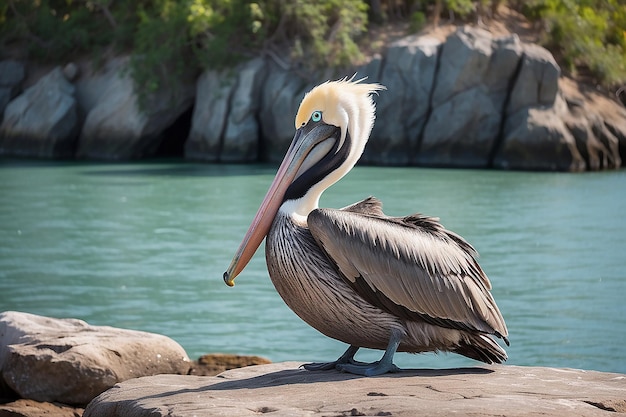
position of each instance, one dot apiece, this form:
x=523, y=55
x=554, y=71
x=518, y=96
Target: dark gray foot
x=368, y=369
x=346, y=358
x=384, y=365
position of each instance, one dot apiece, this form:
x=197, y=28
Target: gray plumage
x=357, y=275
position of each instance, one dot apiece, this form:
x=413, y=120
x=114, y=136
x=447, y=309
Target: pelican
x=356, y=275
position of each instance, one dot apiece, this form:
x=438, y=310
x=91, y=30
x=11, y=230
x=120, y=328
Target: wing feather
x=410, y=266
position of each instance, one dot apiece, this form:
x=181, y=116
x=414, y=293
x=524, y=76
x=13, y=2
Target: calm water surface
x=143, y=246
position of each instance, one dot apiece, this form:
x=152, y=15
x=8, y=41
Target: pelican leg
x=346, y=358
x=384, y=365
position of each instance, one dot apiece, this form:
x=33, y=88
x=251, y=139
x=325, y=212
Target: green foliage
x=417, y=22
x=170, y=39
x=461, y=7
x=324, y=30
x=587, y=34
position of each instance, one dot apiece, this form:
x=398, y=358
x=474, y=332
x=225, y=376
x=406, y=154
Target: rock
x=281, y=96
x=69, y=361
x=224, y=123
x=536, y=138
x=408, y=74
x=115, y=126
x=285, y=390
x=241, y=138
x=537, y=82
x=470, y=93
x=70, y=71
x=30, y=408
x=11, y=76
x=597, y=124
x=210, y=114
x=215, y=363
x=43, y=121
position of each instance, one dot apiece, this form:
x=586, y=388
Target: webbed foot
x=346, y=358
x=368, y=369
x=384, y=365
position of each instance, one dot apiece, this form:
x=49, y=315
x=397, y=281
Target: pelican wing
x=411, y=266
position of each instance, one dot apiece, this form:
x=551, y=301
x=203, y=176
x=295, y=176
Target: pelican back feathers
x=411, y=267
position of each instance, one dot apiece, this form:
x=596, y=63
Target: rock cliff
x=470, y=100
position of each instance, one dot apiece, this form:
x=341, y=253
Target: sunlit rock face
x=71, y=362
x=116, y=125
x=470, y=100
x=42, y=121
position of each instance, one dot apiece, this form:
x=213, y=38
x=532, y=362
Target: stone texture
x=284, y=390
x=11, y=76
x=215, y=363
x=597, y=124
x=214, y=90
x=42, y=121
x=30, y=408
x=69, y=361
x=224, y=123
x=241, y=138
x=115, y=127
x=281, y=96
x=471, y=89
x=536, y=138
x=408, y=74
x=537, y=83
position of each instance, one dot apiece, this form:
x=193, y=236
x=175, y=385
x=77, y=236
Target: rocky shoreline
x=470, y=100
x=67, y=368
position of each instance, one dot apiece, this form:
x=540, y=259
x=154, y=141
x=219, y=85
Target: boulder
x=284, y=389
x=537, y=81
x=241, y=138
x=470, y=93
x=210, y=114
x=115, y=126
x=408, y=74
x=43, y=121
x=224, y=122
x=282, y=93
x=11, y=76
x=537, y=138
x=598, y=125
x=70, y=361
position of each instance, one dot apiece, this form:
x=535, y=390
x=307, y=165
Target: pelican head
x=333, y=123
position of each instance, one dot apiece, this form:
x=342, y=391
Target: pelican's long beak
x=305, y=139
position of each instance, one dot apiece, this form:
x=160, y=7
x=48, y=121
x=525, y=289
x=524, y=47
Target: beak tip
x=230, y=282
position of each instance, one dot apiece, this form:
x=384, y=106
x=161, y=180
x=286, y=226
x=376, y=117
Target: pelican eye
x=316, y=116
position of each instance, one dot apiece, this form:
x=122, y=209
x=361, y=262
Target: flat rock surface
x=282, y=389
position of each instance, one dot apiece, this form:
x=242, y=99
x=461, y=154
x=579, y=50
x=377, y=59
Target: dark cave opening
x=174, y=137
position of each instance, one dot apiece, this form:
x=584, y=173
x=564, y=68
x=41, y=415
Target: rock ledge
x=283, y=389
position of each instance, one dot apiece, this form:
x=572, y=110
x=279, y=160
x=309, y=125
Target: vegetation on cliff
x=169, y=37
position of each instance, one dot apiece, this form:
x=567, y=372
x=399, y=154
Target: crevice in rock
x=621, y=149
x=175, y=136
x=431, y=94
x=600, y=405
x=229, y=101
x=260, y=141
x=499, y=139
x=55, y=348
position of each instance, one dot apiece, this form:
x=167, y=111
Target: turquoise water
x=143, y=246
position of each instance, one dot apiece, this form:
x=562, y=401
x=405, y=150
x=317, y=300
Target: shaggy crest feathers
x=339, y=101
